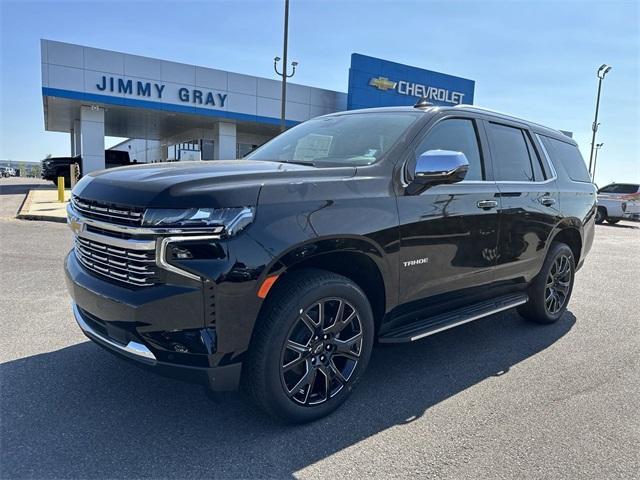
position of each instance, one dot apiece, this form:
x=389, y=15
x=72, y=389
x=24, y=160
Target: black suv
x=55, y=167
x=282, y=270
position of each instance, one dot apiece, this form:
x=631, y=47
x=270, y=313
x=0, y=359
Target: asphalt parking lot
x=497, y=398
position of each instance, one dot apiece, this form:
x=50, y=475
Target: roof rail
x=483, y=109
x=489, y=110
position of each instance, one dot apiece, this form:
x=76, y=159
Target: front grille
x=133, y=267
x=118, y=214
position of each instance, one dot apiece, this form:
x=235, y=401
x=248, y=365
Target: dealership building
x=170, y=111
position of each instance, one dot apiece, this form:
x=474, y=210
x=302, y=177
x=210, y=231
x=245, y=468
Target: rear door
x=449, y=233
x=529, y=202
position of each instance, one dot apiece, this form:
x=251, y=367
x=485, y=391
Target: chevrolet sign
x=418, y=90
x=375, y=82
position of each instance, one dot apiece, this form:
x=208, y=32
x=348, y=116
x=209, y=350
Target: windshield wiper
x=301, y=162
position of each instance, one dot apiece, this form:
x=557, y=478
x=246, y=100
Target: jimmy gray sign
x=157, y=90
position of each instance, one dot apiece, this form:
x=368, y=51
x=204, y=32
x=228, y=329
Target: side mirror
x=440, y=166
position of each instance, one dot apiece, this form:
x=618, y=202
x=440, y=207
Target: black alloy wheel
x=558, y=284
x=322, y=351
x=311, y=345
x=550, y=291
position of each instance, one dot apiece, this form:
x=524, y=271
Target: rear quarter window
x=568, y=156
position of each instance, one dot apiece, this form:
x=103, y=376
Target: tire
x=555, y=278
x=279, y=378
x=601, y=215
x=613, y=221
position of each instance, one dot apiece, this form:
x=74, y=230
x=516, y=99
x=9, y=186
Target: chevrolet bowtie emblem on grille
x=382, y=83
x=74, y=224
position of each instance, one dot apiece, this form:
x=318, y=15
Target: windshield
x=349, y=140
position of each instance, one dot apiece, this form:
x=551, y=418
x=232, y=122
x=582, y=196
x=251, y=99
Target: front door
x=449, y=233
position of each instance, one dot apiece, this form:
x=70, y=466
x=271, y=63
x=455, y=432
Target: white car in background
x=617, y=201
x=7, y=172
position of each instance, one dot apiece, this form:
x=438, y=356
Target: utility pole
x=595, y=161
x=602, y=71
x=284, y=75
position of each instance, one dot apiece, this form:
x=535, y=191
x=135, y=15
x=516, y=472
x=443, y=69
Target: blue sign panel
x=374, y=82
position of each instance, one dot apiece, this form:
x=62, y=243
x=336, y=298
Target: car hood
x=219, y=183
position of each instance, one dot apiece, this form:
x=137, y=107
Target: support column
x=72, y=137
x=224, y=141
x=77, y=149
x=92, y=138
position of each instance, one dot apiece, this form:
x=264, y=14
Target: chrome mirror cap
x=440, y=166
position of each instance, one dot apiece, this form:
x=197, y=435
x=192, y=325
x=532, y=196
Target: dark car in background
x=55, y=167
x=281, y=271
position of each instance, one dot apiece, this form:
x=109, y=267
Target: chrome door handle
x=487, y=204
x=547, y=201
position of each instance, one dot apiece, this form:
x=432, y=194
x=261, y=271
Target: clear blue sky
x=533, y=59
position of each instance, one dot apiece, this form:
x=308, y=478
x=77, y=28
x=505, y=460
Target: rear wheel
x=601, y=215
x=311, y=345
x=550, y=291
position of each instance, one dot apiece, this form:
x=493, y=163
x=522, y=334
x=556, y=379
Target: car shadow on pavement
x=80, y=412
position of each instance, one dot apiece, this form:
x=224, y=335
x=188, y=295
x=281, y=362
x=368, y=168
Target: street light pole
x=595, y=161
x=284, y=75
x=602, y=71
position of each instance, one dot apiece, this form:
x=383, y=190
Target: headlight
x=229, y=220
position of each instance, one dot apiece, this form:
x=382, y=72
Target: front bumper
x=159, y=328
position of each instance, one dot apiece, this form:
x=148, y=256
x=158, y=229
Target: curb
x=42, y=218
x=26, y=205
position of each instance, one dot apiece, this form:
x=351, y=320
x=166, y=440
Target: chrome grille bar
x=131, y=267
x=108, y=213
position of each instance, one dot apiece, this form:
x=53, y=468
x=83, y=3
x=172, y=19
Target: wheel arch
x=571, y=236
x=356, y=258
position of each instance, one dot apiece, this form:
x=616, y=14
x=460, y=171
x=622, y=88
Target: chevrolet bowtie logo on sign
x=382, y=83
x=418, y=90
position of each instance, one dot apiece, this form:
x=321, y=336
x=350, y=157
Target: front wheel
x=550, y=291
x=311, y=345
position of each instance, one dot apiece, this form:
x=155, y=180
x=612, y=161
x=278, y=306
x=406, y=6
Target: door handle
x=547, y=201
x=487, y=204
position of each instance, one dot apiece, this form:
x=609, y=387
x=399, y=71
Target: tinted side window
x=568, y=156
x=538, y=171
x=116, y=157
x=458, y=135
x=619, y=188
x=510, y=149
